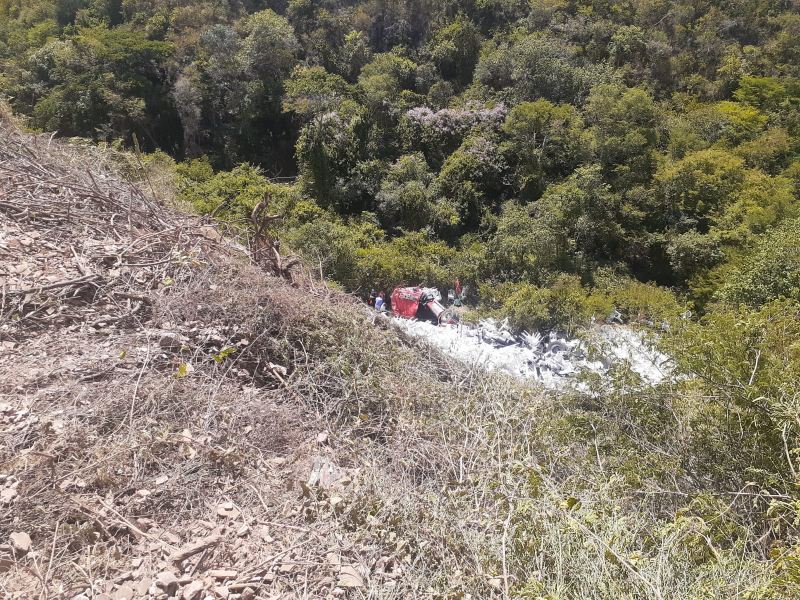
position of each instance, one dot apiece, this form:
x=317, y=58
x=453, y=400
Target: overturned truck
x=420, y=303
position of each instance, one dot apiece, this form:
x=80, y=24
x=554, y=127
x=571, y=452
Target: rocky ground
x=151, y=443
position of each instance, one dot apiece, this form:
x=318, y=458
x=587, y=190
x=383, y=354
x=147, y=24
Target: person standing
x=379, y=301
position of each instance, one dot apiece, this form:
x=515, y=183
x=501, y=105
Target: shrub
x=699, y=186
x=329, y=243
x=565, y=305
x=410, y=259
x=691, y=252
x=770, y=151
x=762, y=202
x=471, y=179
x=770, y=271
x=746, y=363
x=727, y=122
x=527, y=307
x=230, y=195
x=403, y=197
x=546, y=140
x=644, y=301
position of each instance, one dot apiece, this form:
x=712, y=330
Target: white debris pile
x=550, y=359
x=620, y=343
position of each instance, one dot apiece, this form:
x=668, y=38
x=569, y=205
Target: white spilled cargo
x=550, y=359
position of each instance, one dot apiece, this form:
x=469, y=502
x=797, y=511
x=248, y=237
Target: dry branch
x=195, y=548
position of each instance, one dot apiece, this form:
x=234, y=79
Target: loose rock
x=167, y=581
x=124, y=592
x=193, y=591
x=20, y=542
x=248, y=593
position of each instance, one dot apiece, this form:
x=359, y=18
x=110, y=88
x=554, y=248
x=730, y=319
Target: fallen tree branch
x=198, y=546
x=53, y=286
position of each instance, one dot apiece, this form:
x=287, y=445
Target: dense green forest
x=530, y=143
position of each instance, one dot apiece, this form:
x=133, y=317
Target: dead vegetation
x=149, y=426
x=178, y=424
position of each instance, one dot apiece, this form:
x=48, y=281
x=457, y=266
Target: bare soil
x=152, y=441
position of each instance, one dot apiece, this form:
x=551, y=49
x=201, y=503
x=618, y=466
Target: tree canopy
x=658, y=139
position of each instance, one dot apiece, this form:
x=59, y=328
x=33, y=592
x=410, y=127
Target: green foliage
x=640, y=302
x=67, y=10
x=768, y=93
x=328, y=152
x=581, y=217
x=525, y=305
x=546, y=141
x=312, y=90
x=792, y=173
x=628, y=46
x=573, y=228
x=355, y=53
x=195, y=171
x=385, y=77
x=697, y=188
x=748, y=363
x=330, y=244
x=102, y=82
x=624, y=123
x=557, y=154
x=565, y=304
x=455, y=50
x=222, y=355
x=727, y=123
x=568, y=305
x=770, y=271
x=268, y=35
x=550, y=137
x=403, y=200
x=768, y=152
x=537, y=66
x=692, y=252
x=230, y=195
x=409, y=259
x=762, y=202
x=689, y=120
x=470, y=180
x=518, y=248
x=120, y=49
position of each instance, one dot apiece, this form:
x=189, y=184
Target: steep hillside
x=178, y=423
x=164, y=398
